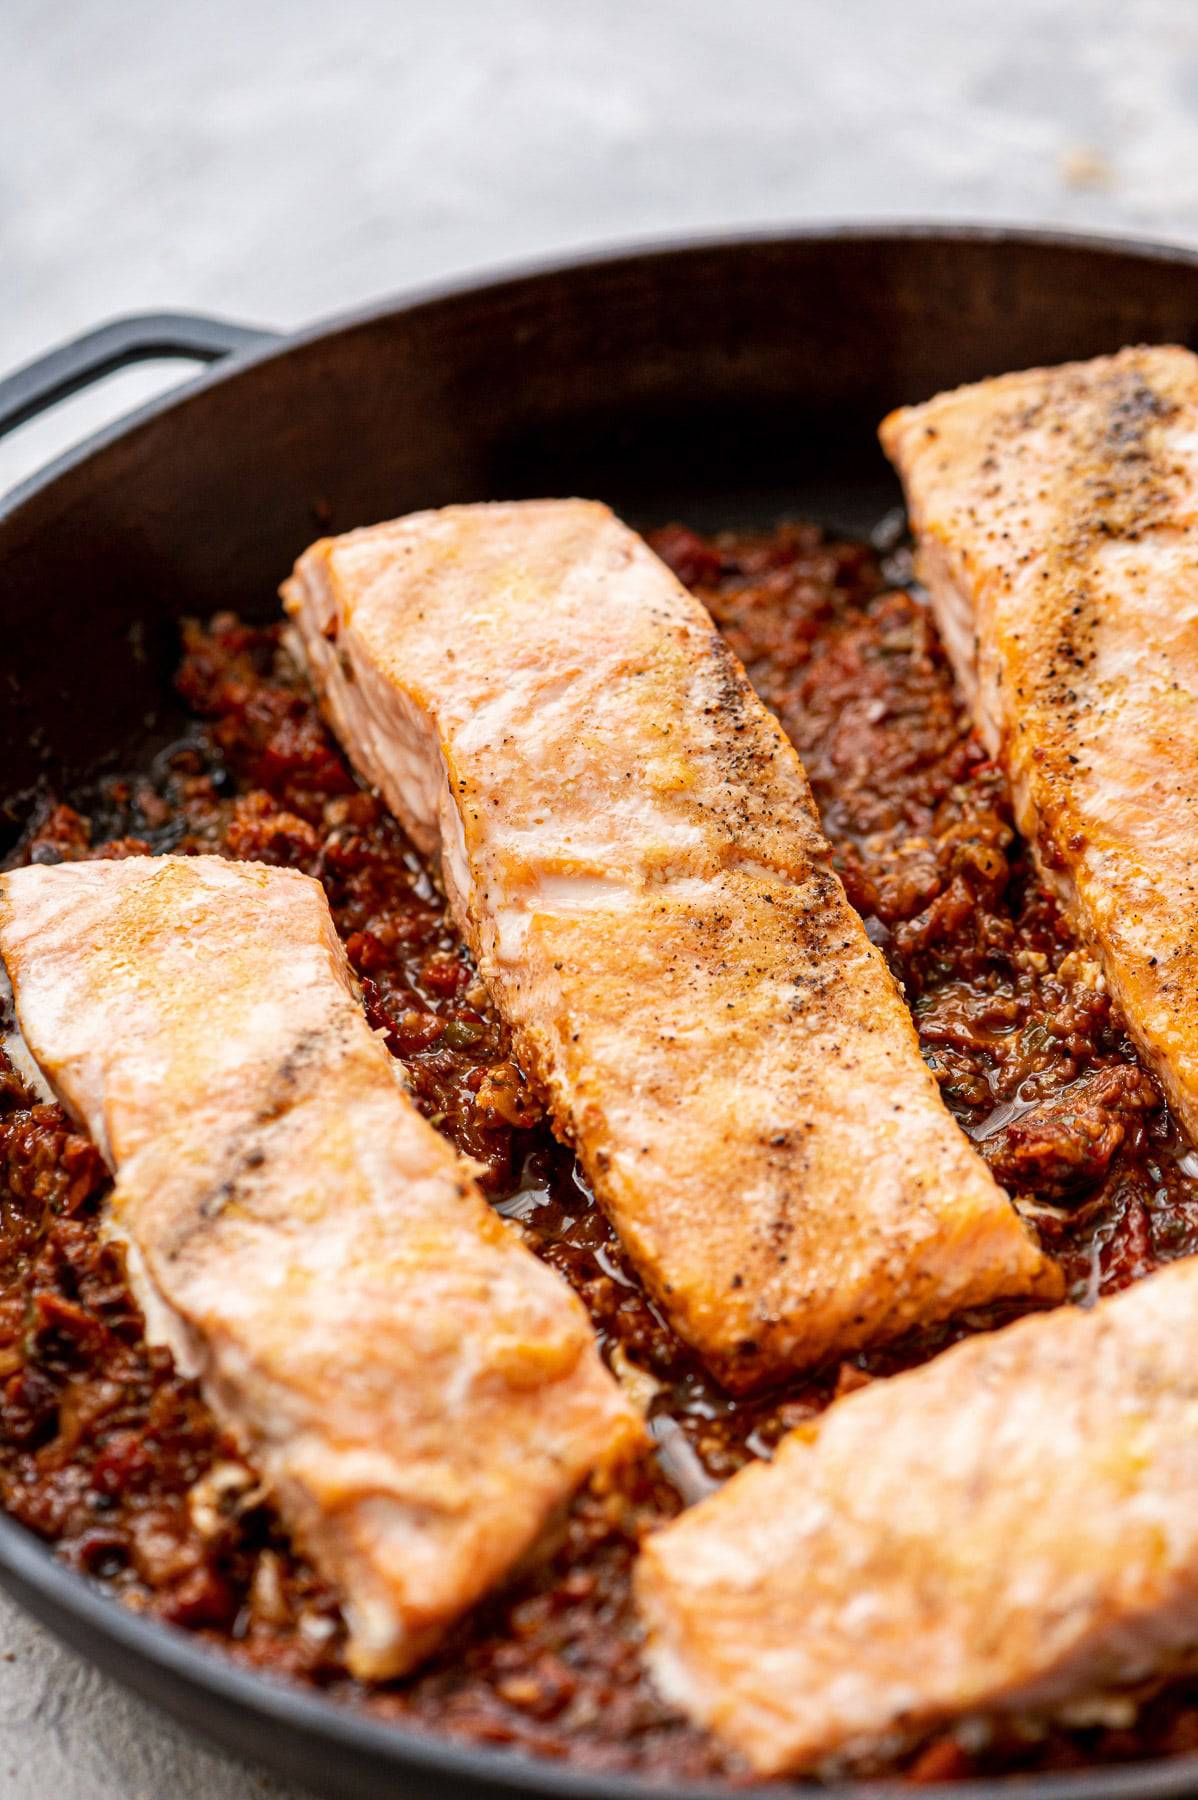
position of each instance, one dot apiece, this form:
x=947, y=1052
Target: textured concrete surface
x=273, y=160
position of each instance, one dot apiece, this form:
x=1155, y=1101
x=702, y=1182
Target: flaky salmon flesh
x=1056, y=514
x=421, y=1394
x=1008, y=1529
x=630, y=849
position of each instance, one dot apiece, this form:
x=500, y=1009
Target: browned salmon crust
x=630, y=848
x=1004, y=1530
x=421, y=1394
x=1057, y=519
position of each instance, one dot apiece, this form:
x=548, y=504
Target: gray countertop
x=273, y=160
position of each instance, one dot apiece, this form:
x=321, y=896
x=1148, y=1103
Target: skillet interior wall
x=727, y=385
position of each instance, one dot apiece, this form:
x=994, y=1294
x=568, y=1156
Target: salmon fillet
x=630, y=848
x=421, y=1394
x=1002, y=1531
x=1057, y=519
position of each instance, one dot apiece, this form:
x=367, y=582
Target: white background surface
x=272, y=162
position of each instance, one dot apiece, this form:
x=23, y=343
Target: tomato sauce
x=107, y=1453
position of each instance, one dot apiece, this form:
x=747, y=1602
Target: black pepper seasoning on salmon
x=109, y=1455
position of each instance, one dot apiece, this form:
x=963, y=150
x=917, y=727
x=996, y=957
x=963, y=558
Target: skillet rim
x=92, y=1623
x=523, y=270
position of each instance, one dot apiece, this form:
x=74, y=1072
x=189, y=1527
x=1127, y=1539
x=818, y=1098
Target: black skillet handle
x=145, y=337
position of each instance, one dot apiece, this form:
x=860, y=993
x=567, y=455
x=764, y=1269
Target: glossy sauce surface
x=108, y=1454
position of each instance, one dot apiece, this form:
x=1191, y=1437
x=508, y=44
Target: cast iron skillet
x=720, y=383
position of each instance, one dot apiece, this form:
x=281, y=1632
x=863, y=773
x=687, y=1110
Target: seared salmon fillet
x=1057, y=519
x=420, y=1393
x=631, y=851
x=1006, y=1529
